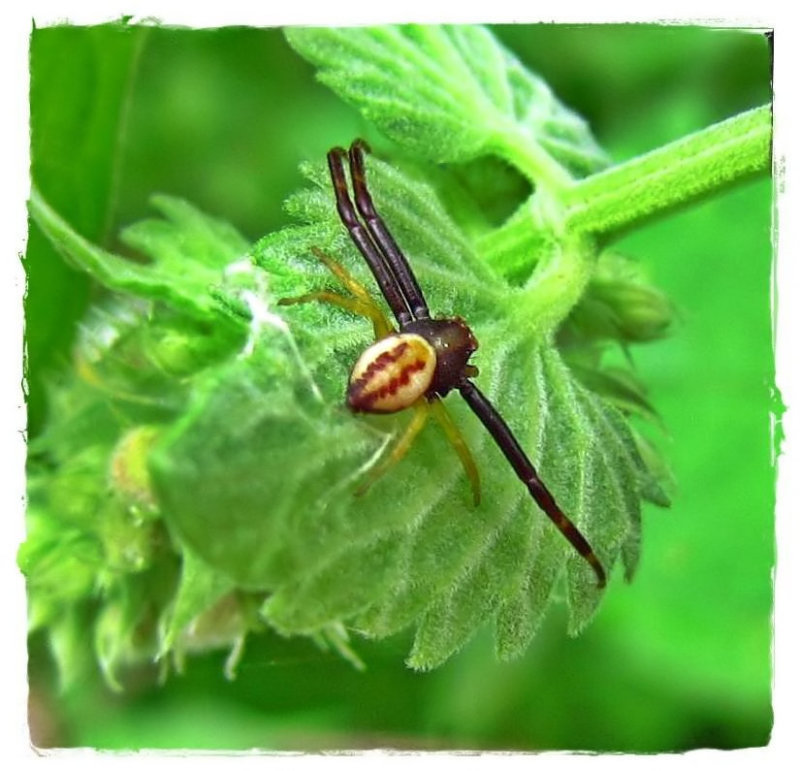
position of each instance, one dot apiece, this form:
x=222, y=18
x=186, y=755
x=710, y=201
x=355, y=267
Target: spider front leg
x=360, y=304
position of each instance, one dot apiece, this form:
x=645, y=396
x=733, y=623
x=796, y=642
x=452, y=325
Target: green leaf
x=60, y=563
x=619, y=304
x=80, y=88
x=189, y=252
x=98, y=561
x=258, y=477
x=80, y=92
x=617, y=386
x=70, y=645
x=451, y=93
x=246, y=475
x=185, y=238
x=115, y=631
x=255, y=477
x=199, y=590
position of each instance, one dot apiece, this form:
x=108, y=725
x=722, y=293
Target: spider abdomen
x=391, y=374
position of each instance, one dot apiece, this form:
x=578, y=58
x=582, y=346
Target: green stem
x=607, y=203
x=518, y=148
x=681, y=172
x=512, y=249
x=557, y=284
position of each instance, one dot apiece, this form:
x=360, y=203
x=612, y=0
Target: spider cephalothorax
x=454, y=343
x=425, y=358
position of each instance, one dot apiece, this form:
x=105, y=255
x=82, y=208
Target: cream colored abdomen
x=391, y=374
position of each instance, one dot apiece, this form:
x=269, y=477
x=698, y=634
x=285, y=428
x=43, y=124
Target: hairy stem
x=532, y=160
x=612, y=201
x=557, y=284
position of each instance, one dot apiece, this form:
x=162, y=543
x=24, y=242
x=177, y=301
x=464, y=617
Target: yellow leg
x=344, y=275
x=402, y=446
x=361, y=304
x=373, y=313
x=459, y=445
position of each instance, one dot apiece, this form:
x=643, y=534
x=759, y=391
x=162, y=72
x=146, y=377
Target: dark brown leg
x=525, y=470
x=381, y=235
x=361, y=238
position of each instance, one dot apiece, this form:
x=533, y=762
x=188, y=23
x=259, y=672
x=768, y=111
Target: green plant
x=193, y=483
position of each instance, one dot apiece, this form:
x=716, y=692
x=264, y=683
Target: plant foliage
x=196, y=479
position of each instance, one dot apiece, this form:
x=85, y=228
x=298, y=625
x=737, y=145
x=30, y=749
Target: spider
x=418, y=364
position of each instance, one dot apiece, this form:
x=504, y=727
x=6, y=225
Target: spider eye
x=391, y=374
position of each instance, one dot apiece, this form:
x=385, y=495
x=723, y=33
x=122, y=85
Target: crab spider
x=418, y=364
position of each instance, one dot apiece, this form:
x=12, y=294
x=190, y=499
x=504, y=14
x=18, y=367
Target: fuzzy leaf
x=188, y=252
x=97, y=559
x=198, y=591
x=449, y=93
x=248, y=474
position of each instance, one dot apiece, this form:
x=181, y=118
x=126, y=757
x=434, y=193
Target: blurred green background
x=676, y=660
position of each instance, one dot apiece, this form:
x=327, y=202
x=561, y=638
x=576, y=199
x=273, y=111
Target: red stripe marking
x=363, y=400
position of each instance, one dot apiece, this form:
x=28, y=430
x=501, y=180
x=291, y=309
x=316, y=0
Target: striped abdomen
x=391, y=374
